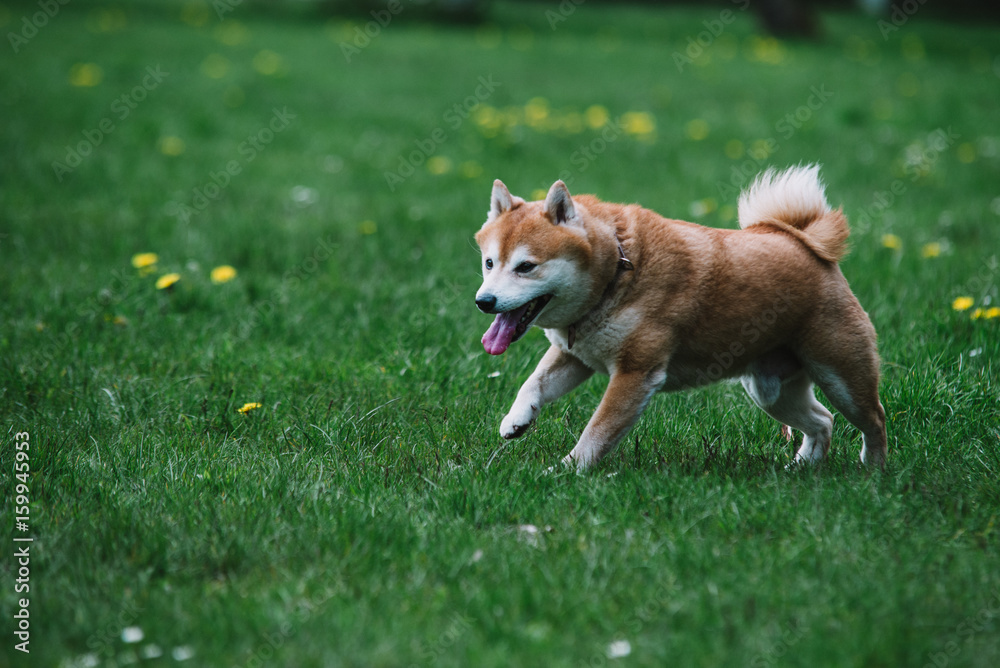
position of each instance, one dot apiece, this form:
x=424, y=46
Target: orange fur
x=767, y=303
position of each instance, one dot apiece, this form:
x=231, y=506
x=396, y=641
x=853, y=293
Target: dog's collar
x=624, y=264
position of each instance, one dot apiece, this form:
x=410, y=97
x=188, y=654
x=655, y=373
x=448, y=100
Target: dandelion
x=195, y=14
x=247, y=407
x=222, y=274
x=966, y=152
x=638, y=123
x=215, y=66
x=536, y=112
x=596, y=116
x=439, y=165
x=992, y=312
x=268, y=63
x=930, y=250
x=697, y=129
x=171, y=146
x=892, y=241
x=978, y=313
x=962, y=303
x=144, y=260
x=167, y=281
x=85, y=75
x=734, y=149
x=471, y=169
x=231, y=33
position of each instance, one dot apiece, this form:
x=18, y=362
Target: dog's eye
x=524, y=267
x=489, y=263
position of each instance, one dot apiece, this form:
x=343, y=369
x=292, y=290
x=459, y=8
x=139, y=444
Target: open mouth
x=511, y=325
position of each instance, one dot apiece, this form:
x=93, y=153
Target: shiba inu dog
x=661, y=305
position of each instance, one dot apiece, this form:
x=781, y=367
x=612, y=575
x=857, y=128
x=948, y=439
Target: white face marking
x=559, y=277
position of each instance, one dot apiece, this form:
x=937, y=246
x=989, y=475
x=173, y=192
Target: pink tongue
x=497, y=338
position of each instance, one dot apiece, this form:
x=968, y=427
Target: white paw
x=518, y=421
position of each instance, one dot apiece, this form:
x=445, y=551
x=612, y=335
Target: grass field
x=367, y=513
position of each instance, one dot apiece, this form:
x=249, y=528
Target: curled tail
x=794, y=201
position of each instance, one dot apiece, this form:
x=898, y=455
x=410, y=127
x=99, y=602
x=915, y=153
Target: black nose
x=487, y=304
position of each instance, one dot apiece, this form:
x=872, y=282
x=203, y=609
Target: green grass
x=368, y=513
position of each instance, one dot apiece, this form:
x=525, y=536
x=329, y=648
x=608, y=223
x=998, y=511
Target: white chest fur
x=599, y=339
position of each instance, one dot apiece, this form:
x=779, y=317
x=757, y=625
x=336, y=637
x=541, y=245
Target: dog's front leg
x=622, y=404
x=556, y=374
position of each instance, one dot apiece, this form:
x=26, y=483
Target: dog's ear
x=502, y=201
x=559, y=205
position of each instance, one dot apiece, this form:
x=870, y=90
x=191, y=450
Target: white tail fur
x=795, y=196
x=794, y=201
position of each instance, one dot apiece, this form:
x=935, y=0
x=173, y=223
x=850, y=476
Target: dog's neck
x=614, y=268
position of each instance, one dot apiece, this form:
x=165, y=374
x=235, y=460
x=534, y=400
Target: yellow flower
x=143, y=260
x=978, y=313
x=734, y=149
x=638, y=123
x=438, y=165
x=215, y=66
x=992, y=312
x=891, y=241
x=167, y=281
x=596, y=116
x=536, y=111
x=962, y=303
x=268, y=63
x=932, y=249
x=247, y=407
x=697, y=129
x=172, y=146
x=471, y=169
x=538, y=194
x=231, y=33
x=85, y=75
x=223, y=274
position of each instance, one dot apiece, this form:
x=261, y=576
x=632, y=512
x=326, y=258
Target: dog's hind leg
x=846, y=368
x=853, y=390
x=783, y=390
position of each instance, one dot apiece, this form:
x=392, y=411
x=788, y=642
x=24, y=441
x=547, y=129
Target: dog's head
x=535, y=261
